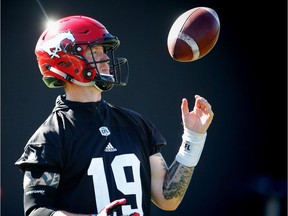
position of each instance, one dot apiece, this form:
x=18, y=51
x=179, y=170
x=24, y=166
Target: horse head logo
x=53, y=46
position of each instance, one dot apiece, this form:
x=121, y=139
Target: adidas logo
x=110, y=148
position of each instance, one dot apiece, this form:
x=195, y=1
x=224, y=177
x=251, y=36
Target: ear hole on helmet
x=85, y=32
x=65, y=64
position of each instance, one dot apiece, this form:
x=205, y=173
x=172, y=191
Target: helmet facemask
x=118, y=67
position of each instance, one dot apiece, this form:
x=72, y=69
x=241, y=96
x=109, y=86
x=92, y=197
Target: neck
x=82, y=94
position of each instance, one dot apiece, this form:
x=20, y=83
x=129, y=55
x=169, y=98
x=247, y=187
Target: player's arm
x=39, y=193
x=169, y=185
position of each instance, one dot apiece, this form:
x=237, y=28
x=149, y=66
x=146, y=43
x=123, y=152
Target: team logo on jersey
x=104, y=131
x=53, y=46
x=110, y=148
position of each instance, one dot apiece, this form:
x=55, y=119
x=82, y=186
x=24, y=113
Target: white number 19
x=101, y=189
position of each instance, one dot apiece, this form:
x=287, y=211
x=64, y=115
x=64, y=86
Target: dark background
x=243, y=168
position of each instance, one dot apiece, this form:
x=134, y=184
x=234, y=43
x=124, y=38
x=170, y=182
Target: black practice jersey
x=101, y=152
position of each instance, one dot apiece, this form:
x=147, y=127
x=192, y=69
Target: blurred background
x=243, y=168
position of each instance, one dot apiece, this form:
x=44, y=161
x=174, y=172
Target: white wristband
x=191, y=148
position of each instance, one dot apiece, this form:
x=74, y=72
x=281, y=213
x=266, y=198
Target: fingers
x=202, y=103
x=120, y=201
x=184, y=107
x=114, y=205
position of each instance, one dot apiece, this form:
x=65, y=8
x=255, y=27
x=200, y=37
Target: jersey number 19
x=101, y=188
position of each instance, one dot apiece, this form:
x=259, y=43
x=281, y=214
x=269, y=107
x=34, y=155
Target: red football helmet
x=60, y=54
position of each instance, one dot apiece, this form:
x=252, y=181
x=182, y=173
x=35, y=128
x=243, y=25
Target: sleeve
x=43, y=150
x=154, y=137
x=42, y=153
x=158, y=141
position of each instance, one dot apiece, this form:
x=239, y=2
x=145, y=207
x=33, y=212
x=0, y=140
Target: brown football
x=193, y=34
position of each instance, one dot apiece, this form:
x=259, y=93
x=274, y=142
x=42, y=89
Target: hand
x=111, y=207
x=200, y=118
x=108, y=210
x=134, y=214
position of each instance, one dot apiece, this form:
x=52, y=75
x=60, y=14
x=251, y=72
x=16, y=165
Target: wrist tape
x=191, y=148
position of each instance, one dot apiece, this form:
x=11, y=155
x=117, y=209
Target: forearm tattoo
x=177, y=180
x=46, y=178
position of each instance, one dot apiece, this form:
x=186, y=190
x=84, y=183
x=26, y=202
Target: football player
x=90, y=157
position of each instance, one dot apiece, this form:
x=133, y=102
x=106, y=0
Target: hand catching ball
x=193, y=34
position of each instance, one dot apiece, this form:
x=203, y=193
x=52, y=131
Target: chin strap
x=69, y=78
x=102, y=86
